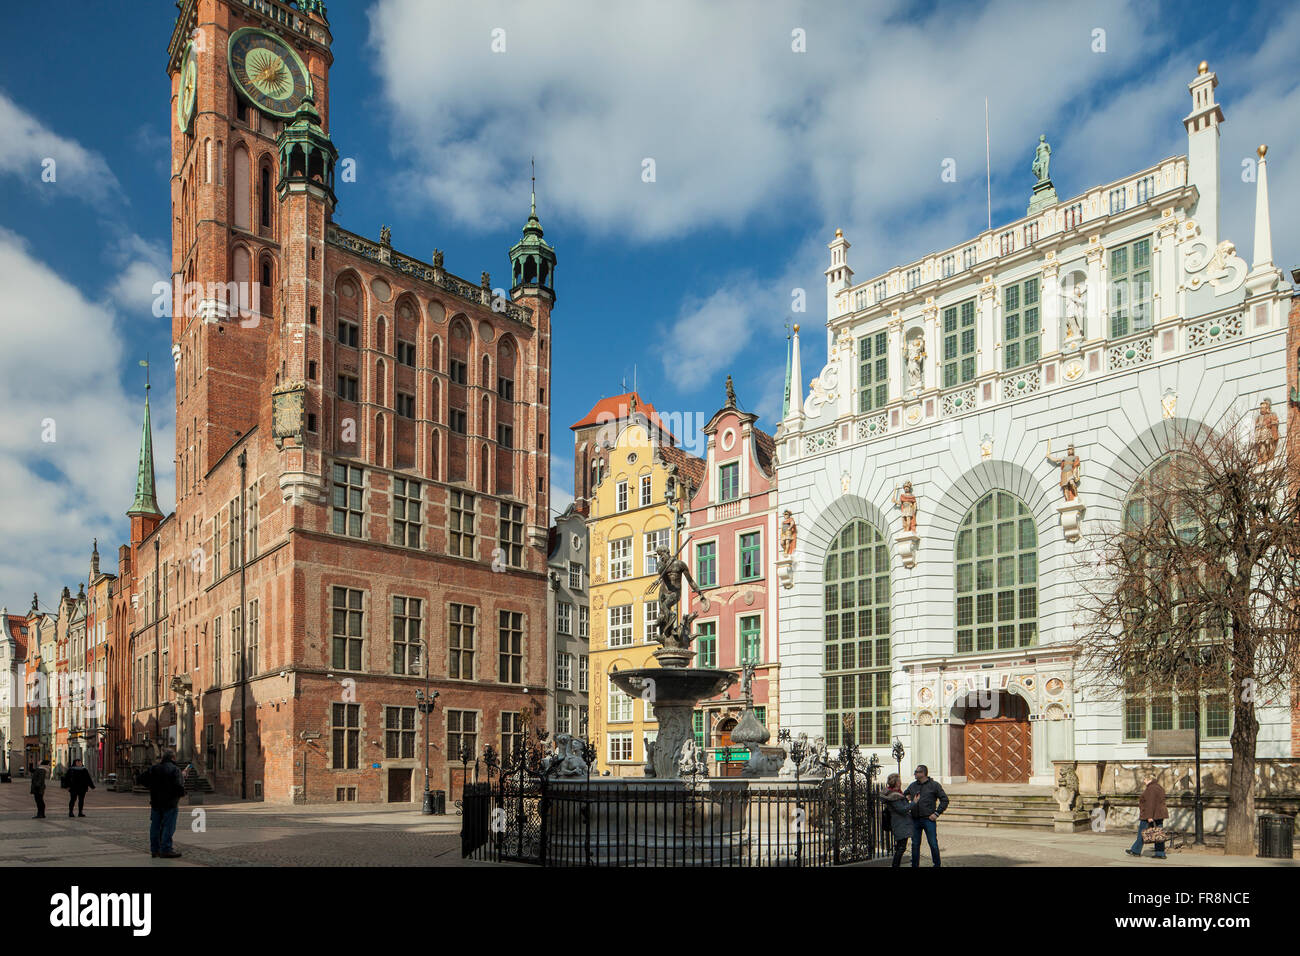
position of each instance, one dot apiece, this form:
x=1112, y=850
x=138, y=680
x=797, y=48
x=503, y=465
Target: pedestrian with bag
x=900, y=816
x=1152, y=812
x=165, y=791
x=39, y=776
x=78, y=782
x=928, y=801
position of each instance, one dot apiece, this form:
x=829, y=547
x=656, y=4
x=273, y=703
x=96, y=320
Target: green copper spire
x=532, y=259
x=146, y=502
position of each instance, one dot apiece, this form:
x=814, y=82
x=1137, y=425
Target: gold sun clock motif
x=268, y=72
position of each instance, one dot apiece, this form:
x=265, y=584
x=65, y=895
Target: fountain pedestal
x=674, y=691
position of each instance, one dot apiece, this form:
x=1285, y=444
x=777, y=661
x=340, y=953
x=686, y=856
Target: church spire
x=146, y=502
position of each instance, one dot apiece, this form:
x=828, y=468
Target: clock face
x=188, y=93
x=267, y=72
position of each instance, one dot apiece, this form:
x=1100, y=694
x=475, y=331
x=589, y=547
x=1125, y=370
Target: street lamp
x=425, y=700
x=898, y=754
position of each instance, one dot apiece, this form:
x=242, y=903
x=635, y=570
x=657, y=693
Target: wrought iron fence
x=527, y=816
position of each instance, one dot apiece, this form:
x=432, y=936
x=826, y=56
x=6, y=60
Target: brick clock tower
x=362, y=457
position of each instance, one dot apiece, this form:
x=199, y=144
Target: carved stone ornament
x=907, y=542
x=1071, y=515
x=1222, y=268
x=288, y=402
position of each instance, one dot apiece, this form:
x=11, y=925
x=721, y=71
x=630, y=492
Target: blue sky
x=760, y=153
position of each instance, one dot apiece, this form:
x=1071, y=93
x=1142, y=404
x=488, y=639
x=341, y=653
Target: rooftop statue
x=1042, y=159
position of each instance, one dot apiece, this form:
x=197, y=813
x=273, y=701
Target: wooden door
x=399, y=786
x=998, y=748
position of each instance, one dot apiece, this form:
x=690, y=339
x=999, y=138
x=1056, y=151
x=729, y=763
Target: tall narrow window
x=347, y=629
x=959, y=343
x=857, y=662
x=266, y=196
x=620, y=559
x=873, y=371
x=706, y=564
x=348, y=507
x=510, y=644
x=460, y=641
x=751, y=556
x=729, y=481
x=706, y=645
x=1130, y=288
x=620, y=626
x=460, y=524
x=407, y=643
x=997, y=575
x=751, y=639
x=510, y=534
x=407, y=512
x=1020, y=324
x=345, y=723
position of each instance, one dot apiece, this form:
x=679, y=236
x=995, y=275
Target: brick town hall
x=362, y=461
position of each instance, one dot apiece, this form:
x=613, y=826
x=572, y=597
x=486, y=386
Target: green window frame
x=751, y=639
x=706, y=645
x=873, y=371
x=1021, y=324
x=996, y=576
x=697, y=726
x=959, y=343
x=751, y=556
x=729, y=481
x=706, y=564
x=1146, y=708
x=857, y=636
x=1130, y=288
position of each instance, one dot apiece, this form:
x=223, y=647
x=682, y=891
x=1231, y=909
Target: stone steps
x=1017, y=806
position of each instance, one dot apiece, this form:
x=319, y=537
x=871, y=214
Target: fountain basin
x=674, y=693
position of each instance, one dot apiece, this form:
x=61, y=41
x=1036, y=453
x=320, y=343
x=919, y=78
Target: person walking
x=900, y=816
x=39, y=777
x=1152, y=812
x=928, y=801
x=79, y=784
x=165, y=791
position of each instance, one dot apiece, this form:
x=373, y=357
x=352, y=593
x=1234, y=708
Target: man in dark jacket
x=78, y=783
x=39, y=776
x=166, y=787
x=928, y=801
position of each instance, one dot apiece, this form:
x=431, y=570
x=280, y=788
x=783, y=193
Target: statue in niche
x=906, y=503
x=1076, y=312
x=1070, y=471
x=789, y=534
x=1266, y=436
x=1042, y=159
x=915, y=352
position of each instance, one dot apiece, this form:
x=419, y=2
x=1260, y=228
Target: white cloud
x=141, y=265
x=60, y=365
x=27, y=146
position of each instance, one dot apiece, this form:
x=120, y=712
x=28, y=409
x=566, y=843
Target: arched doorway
x=730, y=765
x=993, y=743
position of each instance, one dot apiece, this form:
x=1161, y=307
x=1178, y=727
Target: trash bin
x=440, y=801
x=1276, y=833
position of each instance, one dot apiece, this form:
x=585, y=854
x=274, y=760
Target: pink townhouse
x=731, y=542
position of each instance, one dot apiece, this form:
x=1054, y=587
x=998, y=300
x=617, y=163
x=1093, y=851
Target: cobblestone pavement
x=115, y=833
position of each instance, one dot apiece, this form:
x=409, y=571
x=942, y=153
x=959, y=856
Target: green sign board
x=725, y=756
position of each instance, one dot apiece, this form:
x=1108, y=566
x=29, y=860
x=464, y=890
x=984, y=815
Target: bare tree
x=1199, y=586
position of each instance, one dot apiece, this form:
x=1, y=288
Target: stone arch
x=1117, y=474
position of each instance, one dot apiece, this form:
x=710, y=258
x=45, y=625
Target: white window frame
x=619, y=711
x=621, y=736
x=649, y=621
x=564, y=671
x=563, y=618
x=576, y=576
x=619, y=627
x=620, y=496
x=647, y=491
x=582, y=673
x=651, y=564
x=621, y=562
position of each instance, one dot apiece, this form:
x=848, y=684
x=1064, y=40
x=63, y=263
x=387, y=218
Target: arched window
x=433, y=455
x=857, y=663
x=1148, y=708
x=266, y=294
x=381, y=334
x=435, y=354
x=380, y=392
x=435, y=404
x=997, y=575
x=240, y=173
x=264, y=195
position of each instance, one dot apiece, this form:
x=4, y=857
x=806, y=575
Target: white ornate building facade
x=1107, y=321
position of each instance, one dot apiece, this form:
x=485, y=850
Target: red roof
x=619, y=408
x=15, y=625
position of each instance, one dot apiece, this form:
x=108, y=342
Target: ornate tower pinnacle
x=532, y=259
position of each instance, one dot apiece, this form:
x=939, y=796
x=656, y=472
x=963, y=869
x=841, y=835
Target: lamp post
x=898, y=754
x=424, y=700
